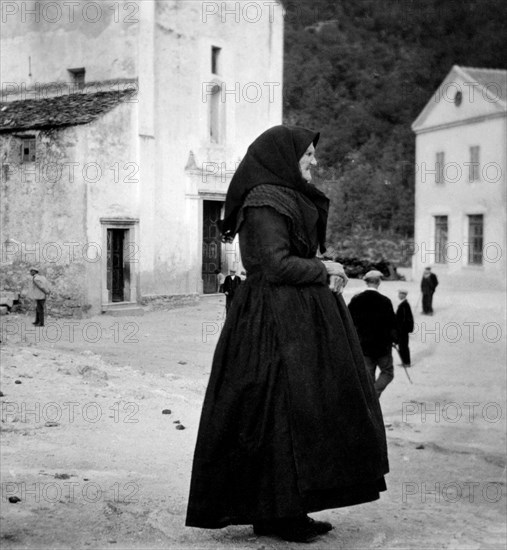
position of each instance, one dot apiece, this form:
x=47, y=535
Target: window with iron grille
x=27, y=149
x=475, y=238
x=439, y=168
x=78, y=77
x=440, y=239
x=473, y=168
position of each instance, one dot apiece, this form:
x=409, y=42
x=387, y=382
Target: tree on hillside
x=360, y=71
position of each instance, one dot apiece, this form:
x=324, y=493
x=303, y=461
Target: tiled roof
x=65, y=110
x=495, y=80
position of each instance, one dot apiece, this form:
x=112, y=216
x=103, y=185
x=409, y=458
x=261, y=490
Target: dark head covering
x=273, y=159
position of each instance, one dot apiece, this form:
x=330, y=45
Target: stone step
x=122, y=310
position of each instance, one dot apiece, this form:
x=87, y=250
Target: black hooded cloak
x=290, y=423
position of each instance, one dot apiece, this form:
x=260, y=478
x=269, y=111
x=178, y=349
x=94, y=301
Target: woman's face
x=308, y=159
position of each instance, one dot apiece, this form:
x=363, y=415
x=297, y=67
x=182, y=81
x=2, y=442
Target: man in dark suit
x=404, y=325
x=375, y=322
x=429, y=283
x=231, y=284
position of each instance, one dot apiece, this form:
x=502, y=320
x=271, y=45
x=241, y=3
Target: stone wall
x=67, y=297
x=42, y=221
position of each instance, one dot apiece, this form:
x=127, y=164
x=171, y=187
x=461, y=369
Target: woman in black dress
x=290, y=422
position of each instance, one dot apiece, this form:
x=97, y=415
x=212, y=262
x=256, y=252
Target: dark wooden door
x=115, y=273
x=211, y=245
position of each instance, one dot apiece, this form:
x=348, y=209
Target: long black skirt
x=290, y=423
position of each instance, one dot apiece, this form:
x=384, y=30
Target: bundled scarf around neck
x=273, y=159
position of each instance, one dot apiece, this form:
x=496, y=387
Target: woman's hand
x=336, y=284
x=337, y=278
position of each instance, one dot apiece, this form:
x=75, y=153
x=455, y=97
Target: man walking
x=231, y=284
x=375, y=322
x=429, y=283
x=404, y=325
x=38, y=291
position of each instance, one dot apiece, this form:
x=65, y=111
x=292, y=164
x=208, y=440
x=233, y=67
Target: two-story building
x=461, y=162
x=121, y=125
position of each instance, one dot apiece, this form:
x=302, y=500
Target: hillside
x=360, y=71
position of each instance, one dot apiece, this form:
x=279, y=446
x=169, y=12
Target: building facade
x=461, y=162
x=118, y=148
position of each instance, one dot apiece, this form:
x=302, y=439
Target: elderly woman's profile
x=290, y=423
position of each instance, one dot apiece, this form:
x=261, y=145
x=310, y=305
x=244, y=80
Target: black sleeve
x=268, y=233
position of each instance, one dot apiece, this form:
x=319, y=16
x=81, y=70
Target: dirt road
x=96, y=464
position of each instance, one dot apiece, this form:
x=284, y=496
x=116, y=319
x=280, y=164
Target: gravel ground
x=96, y=462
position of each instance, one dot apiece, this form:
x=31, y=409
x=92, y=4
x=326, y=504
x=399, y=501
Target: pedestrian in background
x=429, y=283
x=38, y=291
x=220, y=280
x=404, y=325
x=375, y=322
x=231, y=284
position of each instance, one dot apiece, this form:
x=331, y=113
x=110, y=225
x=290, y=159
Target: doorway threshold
x=122, y=309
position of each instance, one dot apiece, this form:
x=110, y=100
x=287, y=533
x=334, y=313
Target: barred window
x=440, y=239
x=27, y=149
x=78, y=77
x=475, y=238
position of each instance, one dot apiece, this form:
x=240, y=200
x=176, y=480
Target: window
x=27, y=149
x=440, y=239
x=439, y=168
x=78, y=77
x=473, y=173
x=475, y=238
x=215, y=58
x=215, y=114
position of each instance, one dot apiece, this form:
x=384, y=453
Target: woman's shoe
x=301, y=529
x=320, y=526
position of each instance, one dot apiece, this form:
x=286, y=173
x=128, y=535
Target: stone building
x=121, y=125
x=461, y=162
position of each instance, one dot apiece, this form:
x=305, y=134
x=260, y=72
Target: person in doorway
x=290, y=423
x=231, y=284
